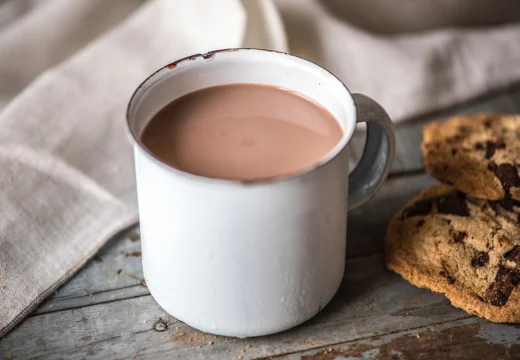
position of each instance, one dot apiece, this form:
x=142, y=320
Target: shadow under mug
x=252, y=258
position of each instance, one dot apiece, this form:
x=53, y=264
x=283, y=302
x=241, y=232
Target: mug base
x=214, y=329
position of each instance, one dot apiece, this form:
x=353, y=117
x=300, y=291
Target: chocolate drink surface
x=241, y=131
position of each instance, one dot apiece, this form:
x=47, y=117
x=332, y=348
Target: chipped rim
x=273, y=179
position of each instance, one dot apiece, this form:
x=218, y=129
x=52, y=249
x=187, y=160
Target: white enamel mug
x=252, y=258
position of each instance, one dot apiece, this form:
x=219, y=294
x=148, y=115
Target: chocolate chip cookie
x=478, y=154
x=465, y=248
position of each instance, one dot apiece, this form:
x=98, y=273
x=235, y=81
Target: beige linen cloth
x=68, y=68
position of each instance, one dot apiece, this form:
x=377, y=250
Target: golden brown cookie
x=478, y=154
x=467, y=249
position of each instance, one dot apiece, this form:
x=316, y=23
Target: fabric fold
x=67, y=179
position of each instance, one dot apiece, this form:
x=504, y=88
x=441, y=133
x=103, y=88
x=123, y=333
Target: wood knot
x=160, y=326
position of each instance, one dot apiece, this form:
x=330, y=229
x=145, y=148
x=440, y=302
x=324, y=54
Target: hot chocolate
x=242, y=131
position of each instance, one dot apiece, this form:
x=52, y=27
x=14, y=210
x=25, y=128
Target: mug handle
x=378, y=155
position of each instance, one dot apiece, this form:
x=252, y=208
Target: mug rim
x=338, y=148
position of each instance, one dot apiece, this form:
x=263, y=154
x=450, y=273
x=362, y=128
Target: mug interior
x=253, y=66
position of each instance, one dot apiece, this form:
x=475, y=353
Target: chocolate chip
x=508, y=176
x=490, y=149
x=479, y=146
x=506, y=203
x=506, y=280
x=513, y=254
x=487, y=124
x=419, y=223
x=422, y=207
x=453, y=152
x=492, y=166
x=453, y=203
x=461, y=236
x=458, y=236
x=492, y=146
x=480, y=260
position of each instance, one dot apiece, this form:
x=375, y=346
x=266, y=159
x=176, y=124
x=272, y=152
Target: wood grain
x=115, y=272
x=371, y=301
x=471, y=338
x=105, y=311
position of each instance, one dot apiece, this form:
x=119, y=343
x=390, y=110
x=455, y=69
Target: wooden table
x=106, y=311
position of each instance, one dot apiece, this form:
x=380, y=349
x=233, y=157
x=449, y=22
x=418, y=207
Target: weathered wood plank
x=371, y=301
x=116, y=269
x=408, y=150
x=471, y=338
x=367, y=224
x=115, y=274
x=64, y=303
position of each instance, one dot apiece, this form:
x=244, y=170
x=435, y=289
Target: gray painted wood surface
x=106, y=311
